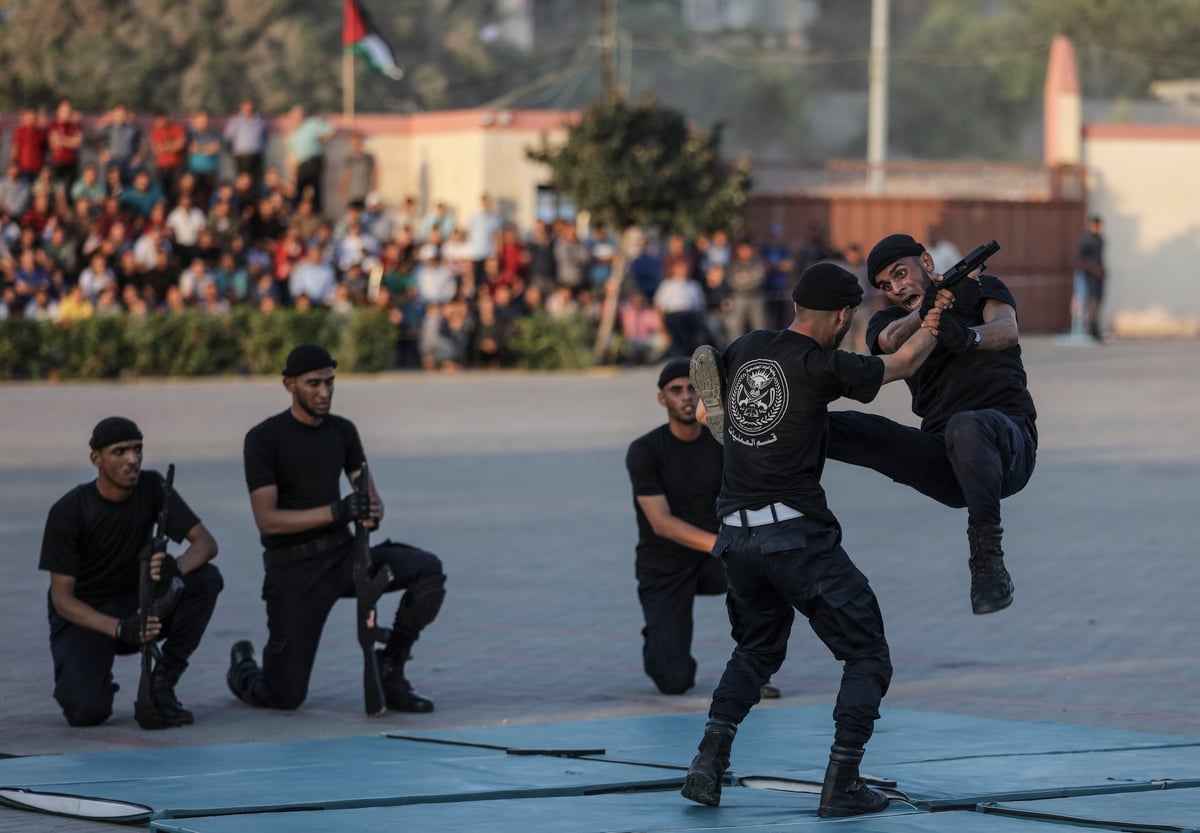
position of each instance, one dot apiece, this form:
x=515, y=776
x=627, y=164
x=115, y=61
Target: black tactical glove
x=954, y=334
x=355, y=506
x=931, y=292
x=966, y=294
x=129, y=631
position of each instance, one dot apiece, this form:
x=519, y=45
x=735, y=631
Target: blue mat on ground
x=318, y=774
x=1158, y=810
x=743, y=810
x=936, y=759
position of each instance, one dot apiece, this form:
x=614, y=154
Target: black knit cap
x=887, y=251
x=674, y=369
x=827, y=286
x=113, y=429
x=306, y=358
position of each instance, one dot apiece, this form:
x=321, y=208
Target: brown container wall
x=1038, y=240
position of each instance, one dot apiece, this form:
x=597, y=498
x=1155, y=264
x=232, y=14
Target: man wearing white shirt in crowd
x=186, y=221
x=482, y=228
x=313, y=278
x=435, y=281
x=682, y=302
x=96, y=277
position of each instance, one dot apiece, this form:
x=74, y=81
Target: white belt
x=760, y=517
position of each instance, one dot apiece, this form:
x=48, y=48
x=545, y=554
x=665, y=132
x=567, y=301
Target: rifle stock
x=144, y=711
x=975, y=260
x=367, y=590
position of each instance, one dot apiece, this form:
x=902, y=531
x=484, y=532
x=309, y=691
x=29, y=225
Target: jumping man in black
x=780, y=543
x=294, y=463
x=94, y=535
x=978, y=440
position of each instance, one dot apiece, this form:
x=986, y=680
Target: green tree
x=642, y=164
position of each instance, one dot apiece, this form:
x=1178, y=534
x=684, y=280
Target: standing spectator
x=312, y=278
x=602, y=251
x=14, y=192
x=570, y=256
x=359, y=176
x=1091, y=270
x=944, y=253
x=29, y=145
x=434, y=280
x=646, y=338
x=440, y=222
x=514, y=259
x=306, y=146
x=124, y=145
x=65, y=137
x=682, y=303
x=746, y=279
x=482, y=229
x=543, y=268
x=203, y=159
x=246, y=139
x=778, y=257
x=168, y=143
x=88, y=186
x=186, y=221
x=646, y=269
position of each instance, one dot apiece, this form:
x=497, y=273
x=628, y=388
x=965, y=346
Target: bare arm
x=271, y=520
x=999, y=329
x=898, y=332
x=78, y=612
x=666, y=525
x=913, y=352
x=202, y=548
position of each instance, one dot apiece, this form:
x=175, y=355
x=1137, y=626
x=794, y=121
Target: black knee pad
x=421, y=603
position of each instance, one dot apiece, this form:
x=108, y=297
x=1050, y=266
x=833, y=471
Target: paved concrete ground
x=518, y=482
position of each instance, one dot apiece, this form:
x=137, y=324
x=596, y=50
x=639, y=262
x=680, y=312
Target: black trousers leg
x=419, y=574
x=83, y=664
x=185, y=626
x=666, y=599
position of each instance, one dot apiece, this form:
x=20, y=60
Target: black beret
x=306, y=358
x=827, y=286
x=674, y=369
x=887, y=251
x=113, y=429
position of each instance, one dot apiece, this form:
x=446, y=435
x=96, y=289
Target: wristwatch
x=978, y=337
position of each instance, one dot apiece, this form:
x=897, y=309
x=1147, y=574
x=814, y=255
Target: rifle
x=144, y=710
x=975, y=260
x=367, y=590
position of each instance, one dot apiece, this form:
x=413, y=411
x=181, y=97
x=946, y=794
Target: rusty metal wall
x=1038, y=239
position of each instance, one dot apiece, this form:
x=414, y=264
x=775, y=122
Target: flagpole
x=348, y=84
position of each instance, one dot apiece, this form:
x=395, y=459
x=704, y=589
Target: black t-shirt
x=777, y=418
x=949, y=383
x=688, y=475
x=98, y=541
x=304, y=462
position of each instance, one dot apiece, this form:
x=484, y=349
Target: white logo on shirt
x=758, y=397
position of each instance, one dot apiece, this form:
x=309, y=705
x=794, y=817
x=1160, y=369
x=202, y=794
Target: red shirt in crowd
x=168, y=135
x=29, y=148
x=59, y=133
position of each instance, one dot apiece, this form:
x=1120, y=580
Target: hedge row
x=243, y=341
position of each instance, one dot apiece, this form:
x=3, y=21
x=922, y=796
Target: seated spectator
x=490, y=343
x=646, y=338
x=435, y=282
x=15, y=194
x=42, y=306
x=75, y=305
x=38, y=214
x=211, y=300
x=89, y=186
x=313, y=278
x=193, y=280
x=561, y=303
x=186, y=221
x=142, y=197
x=96, y=278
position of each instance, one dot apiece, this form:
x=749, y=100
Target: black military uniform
x=98, y=542
x=670, y=575
x=307, y=572
x=781, y=544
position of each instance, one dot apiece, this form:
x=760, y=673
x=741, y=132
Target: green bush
x=542, y=342
x=195, y=343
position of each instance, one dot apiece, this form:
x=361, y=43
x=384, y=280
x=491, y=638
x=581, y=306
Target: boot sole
x=991, y=607
x=706, y=375
x=701, y=789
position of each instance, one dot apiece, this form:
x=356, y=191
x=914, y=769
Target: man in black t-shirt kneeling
x=978, y=437
x=675, y=471
x=294, y=463
x=91, y=548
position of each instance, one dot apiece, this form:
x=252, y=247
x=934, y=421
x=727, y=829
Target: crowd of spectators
x=112, y=221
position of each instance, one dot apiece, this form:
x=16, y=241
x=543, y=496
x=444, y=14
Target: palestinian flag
x=359, y=34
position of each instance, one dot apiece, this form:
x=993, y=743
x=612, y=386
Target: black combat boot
x=398, y=691
x=242, y=667
x=703, y=783
x=991, y=586
x=162, y=687
x=844, y=793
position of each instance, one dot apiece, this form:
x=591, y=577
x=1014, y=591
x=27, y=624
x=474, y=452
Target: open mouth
x=911, y=302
